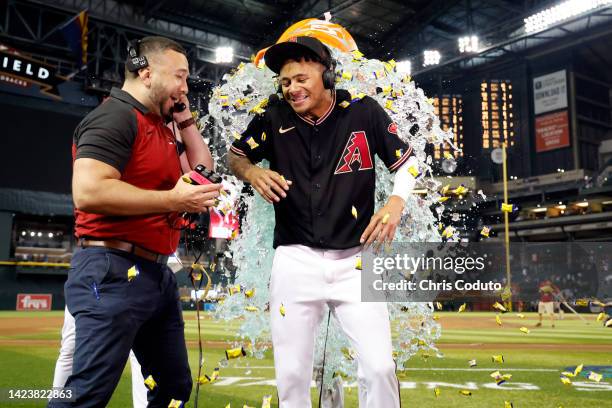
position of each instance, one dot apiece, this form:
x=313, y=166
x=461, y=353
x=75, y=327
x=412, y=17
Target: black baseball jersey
x=331, y=165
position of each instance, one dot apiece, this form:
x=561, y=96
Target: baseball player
x=321, y=148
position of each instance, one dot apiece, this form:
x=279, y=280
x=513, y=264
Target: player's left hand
x=185, y=113
x=384, y=223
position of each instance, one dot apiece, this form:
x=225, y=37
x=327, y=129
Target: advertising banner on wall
x=552, y=131
x=34, y=301
x=550, y=92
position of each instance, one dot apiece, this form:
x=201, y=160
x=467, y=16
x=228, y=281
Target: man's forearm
x=116, y=197
x=240, y=166
x=196, y=150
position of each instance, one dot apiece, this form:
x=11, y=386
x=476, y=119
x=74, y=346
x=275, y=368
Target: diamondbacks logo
x=356, y=150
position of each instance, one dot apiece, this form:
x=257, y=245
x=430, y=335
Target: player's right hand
x=268, y=183
x=194, y=198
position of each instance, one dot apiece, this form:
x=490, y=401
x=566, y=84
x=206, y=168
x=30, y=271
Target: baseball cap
x=279, y=53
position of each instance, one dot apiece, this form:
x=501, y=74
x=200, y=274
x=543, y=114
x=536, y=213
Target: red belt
x=125, y=247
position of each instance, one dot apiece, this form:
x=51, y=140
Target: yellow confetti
x=461, y=190
x=495, y=375
x=498, y=320
x=485, y=231
x=175, y=404
x=263, y=136
x=568, y=374
x=520, y=315
x=497, y=358
x=358, y=265
x=448, y=232
x=389, y=105
x=461, y=308
x=234, y=289
x=282, y=310
x=354, y=212
x=445, y=189
x=344, y=104
x=472, y=363
x=499, y=307
x=357, y=54
x=436, y=317
x=566, y=380
x=466, y=393
x=601, y=316
x=524, y=330
x=347, y=75
x=437, y=392
x=385, y=218
x=252, y=143
x=582, y=302
x=348, y=353
x=508, y=404
x=228, y=406
x=235, y=353
x=266, y=402
x=249, y=293
x=398, y=153
x=251, y=309
x=150, y=382
x=578, y=369
x=508, y=208
x=448, y=155
x=593, y=376
x=132, y=273
x=213, y=266
x=438, y=305
x=443, y=199
x=214, y=375
x=414, y=171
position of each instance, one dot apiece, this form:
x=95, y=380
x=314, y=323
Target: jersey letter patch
x=356, y=150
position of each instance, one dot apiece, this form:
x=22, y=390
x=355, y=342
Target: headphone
x=134, y=61
x=329, y=76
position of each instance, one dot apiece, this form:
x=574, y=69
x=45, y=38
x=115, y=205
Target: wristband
x=186, y=123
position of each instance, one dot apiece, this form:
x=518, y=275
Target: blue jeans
x=113, y=315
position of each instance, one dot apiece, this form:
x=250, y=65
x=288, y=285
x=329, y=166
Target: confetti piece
x=438, y=305
x=358, y=264
x=566, y=380
x=282, y=310
x=593, y=376
x=497, y=358
x=598, y=303
x=524, y=330
x=175, y=404
x=398, y=153
x=508, y=404
x=437, y=392
x=348, y=353
x=235, y=353
x=414, y=171
x=228, y=406
x=601, y=316
x=567, y=374
x=234, y=289
x=448, y=232
x=461, y=190
x=461, y=308
x=150, y=382
x=443, y=199
x=466, y=393
x=347, y=75
x=481, y=194
x=485, y=231
x=249, y=293
x=495, y=374
x=252, y=143
x=263, y=136
x=385, y=218
x=582, y=302
x=472, y=363
x=499, y=307
x=498, y=320
x=508, y=208
x=448, y=155
x=251, y=309
x=520, y=315
x=132, y=273
x=578, y=369
x=354, y=212
x=445, y=189
x=609, y=323
x=266, y=401
x=357, y=54
x=436, y=317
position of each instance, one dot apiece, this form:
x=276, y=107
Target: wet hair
x=154, y=44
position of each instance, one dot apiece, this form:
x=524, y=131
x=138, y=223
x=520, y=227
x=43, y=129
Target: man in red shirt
x=548, y=291
x=127, y=200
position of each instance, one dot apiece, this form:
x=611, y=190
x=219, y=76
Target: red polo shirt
x=121, y=132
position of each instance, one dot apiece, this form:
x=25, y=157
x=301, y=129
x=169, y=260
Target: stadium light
x=431, y=57
x=224, y=54
x=468, y=44
x=404, y=67
x=560, y=12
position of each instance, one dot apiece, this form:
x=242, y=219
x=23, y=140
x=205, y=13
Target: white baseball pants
x=304, y=280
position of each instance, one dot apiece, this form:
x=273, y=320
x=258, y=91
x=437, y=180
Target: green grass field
x=29, y=343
